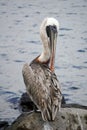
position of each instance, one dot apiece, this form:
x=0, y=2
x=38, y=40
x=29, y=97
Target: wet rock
x=63, y=100
x=3, y=125
x=66, y=119
x=26, y=105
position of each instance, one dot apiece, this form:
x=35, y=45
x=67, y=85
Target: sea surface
x=20, y=43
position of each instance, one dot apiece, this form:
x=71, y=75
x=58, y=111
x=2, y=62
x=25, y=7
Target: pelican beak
x=52, y=34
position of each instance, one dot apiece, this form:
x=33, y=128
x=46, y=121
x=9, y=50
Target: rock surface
x=3, y=125
x=66, y=119
x=71, y=117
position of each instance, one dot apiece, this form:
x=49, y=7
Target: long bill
x=53, y=41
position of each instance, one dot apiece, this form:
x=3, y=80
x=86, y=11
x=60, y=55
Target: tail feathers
x=49, y=114
x=54, y=111
x=46, y=115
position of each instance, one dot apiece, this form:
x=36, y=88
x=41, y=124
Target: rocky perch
x=71, y=117
x=66, y=119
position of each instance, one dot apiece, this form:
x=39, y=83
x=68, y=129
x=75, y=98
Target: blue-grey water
x=20, y=42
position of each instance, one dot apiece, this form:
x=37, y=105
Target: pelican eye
x=51, y=28
x=54, y=28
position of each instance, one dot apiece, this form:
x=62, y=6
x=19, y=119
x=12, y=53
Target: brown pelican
x=41, y=82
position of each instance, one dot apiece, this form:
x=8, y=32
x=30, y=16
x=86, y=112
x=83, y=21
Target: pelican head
x=48, y=32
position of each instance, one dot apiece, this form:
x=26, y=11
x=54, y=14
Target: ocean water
x=20, y=42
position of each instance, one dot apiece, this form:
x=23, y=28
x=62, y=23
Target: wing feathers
x=28, y=74
x=43, y=88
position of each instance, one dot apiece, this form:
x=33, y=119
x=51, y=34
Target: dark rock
x=3, y=125
x=26, y=104
x=63, y=100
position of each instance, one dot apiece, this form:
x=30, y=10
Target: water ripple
x=85, y=62
x=18, y=61
x=65, y=29
x=3, y=54
x=61, y=35
x=79, y=67
x=73, y=88
x=26, y=16
x=81, y=50
x=72, y=13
